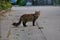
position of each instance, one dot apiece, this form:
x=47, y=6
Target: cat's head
x=37, y=13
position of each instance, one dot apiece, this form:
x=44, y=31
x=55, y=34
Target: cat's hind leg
x=24, y=24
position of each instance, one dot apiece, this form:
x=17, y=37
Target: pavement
x=49, y=20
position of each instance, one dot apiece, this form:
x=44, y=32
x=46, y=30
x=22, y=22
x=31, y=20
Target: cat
x=28, y=18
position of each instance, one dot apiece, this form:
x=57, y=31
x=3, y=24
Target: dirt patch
x=4, y=13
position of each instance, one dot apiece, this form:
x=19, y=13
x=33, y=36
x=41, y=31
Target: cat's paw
x=25, y=25
x=34, y=25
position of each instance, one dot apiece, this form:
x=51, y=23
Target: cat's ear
x=37, y=11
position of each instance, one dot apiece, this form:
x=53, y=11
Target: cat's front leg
x=33, y=22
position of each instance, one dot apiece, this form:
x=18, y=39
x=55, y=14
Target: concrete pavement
x=49, y=20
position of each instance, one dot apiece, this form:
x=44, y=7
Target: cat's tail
x=17, y=24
